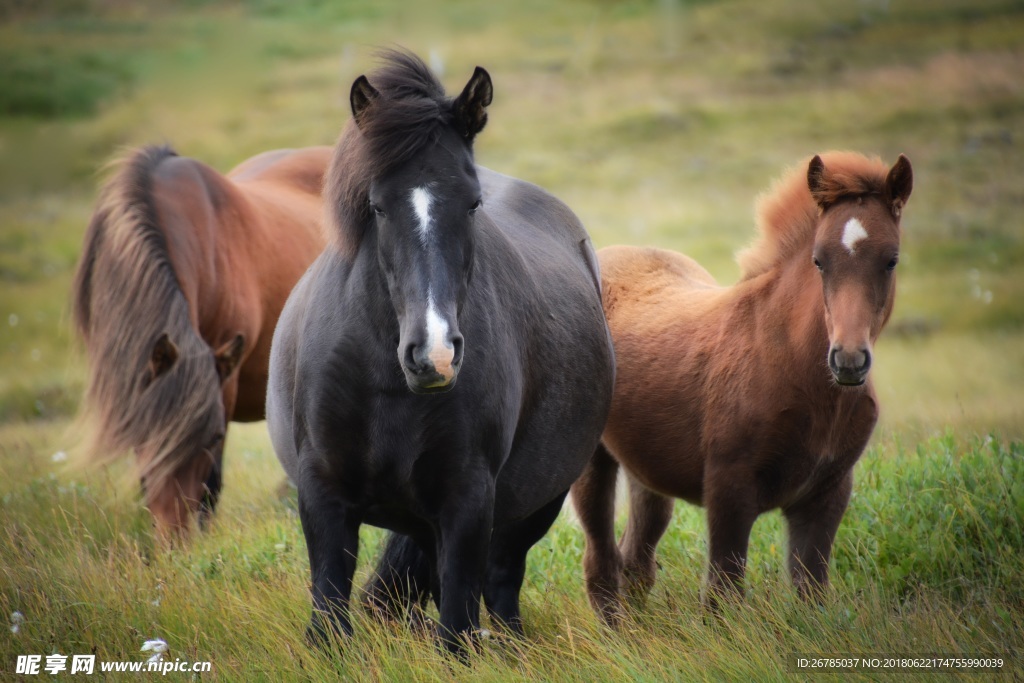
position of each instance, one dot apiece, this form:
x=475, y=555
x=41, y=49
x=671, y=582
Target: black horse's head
x=422, y=203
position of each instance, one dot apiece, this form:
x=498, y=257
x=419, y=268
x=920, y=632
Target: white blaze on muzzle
x=440, y=351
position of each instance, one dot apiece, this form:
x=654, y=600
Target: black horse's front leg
x=507, y=565
x=463, y=545
x=332, y=539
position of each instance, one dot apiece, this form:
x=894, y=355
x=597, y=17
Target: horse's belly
x=665, y=468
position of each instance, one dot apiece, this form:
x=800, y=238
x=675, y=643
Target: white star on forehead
x=853, y=232
x=421, y=201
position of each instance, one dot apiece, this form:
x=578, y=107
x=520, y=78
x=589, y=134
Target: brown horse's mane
x=787, y=214
x=411, y=112
x=125, y=273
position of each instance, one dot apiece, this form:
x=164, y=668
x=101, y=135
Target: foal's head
x=856, y=249
x=422, y=205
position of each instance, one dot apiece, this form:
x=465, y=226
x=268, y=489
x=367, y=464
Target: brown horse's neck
x=188, y=216
x=210, y=233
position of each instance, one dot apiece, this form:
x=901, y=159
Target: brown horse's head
x=180, y=469
x=856, y=249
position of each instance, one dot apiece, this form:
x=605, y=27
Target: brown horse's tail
x=142, y=394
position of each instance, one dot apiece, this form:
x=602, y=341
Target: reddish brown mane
x=787, y=213
x=125, y=274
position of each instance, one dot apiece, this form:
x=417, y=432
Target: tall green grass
x=927, y=561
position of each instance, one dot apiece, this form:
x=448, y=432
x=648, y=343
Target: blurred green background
x=657, y=121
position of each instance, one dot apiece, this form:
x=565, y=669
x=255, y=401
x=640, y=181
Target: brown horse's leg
x=649, y=516
x=593, y=496
x=812, y=528
x=731, y=514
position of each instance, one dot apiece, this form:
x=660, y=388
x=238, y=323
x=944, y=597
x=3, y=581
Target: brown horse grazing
x=182, y=278
x=746, y=398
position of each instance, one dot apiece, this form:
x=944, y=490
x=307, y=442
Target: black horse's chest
x=386, y=448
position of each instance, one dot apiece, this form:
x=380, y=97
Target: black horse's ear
x=228, y=357
x=362, y=96
x=162, y=357
x=898, y=185
x=816, y=182
x=471, y=106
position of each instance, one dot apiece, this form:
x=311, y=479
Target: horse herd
x=438, y=350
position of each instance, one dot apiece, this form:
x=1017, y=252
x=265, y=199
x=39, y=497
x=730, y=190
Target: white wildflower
x=59, y=456
x=158, y=647
x=17, y=619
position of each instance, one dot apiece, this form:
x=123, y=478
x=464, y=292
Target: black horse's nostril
x=457, y=344
x=413, y=360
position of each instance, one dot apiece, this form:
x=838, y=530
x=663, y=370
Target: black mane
x=411, y=112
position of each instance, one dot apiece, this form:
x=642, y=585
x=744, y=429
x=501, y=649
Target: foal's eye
x=476, y=206
x=817, y=264
x=891, y=266
x=376, y=209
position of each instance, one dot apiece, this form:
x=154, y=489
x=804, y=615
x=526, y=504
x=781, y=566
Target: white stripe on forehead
x=421, y=201
x=853, y=233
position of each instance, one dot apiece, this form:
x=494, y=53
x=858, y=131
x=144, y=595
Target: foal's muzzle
x=850, y=368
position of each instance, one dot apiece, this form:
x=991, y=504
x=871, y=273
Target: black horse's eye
x=817, y=264
x=377, y=210
x=476, y=206
x=891, y=266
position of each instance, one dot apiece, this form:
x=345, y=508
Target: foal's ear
x=471, y=106
x=162, y=357
x=228, y=357
x=898, y=185
x=362, y=96
x=816, y=182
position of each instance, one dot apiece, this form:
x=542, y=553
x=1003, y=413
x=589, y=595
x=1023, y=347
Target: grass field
x=659, y=122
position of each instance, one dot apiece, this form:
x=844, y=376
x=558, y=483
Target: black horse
x=444, y=369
